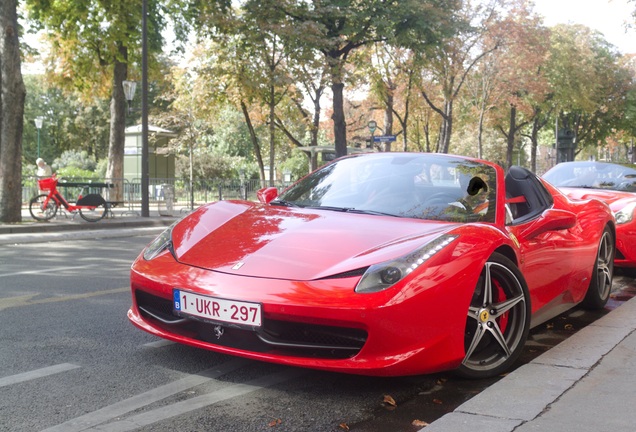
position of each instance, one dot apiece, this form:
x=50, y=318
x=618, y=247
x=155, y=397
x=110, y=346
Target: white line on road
x=51, y=270
x=38, y=373
x=159, y=344
x=118, y=409
x=22, y=301
x=188, y=405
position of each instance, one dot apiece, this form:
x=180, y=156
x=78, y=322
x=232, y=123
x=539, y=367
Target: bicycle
x=91, y=207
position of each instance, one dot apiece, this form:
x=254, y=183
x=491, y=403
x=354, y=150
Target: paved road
x=71, y=361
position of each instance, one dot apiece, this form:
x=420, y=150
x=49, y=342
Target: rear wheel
x=498, y=320
x=95, y=214
x=601, y=283
x=41, y=212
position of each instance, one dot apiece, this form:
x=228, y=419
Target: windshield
x=413, y=185
x=597, y=175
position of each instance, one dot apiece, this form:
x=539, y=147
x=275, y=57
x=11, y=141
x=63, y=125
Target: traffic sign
x=384, y=138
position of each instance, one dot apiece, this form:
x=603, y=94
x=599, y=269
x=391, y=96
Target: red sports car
x=379, y=264
x=614, y=184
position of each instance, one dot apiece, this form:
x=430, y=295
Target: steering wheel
x=439, y=198
x=447, y=199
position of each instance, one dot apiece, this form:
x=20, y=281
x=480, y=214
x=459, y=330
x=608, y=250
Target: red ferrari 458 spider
x=379, y=264
x=614, y=184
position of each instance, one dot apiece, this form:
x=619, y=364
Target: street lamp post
x=372, y=127
x=145, y=175
x=129, y=92
x=38, y=125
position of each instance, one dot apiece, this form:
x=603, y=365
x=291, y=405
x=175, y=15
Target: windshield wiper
x=284, y=203
x=330, y=208
x=352, y=210
x=371, y=212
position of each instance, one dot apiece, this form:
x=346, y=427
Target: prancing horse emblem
x=218, y=331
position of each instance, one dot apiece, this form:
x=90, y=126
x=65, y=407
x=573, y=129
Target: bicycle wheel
x=95, y=214
x=37, y=209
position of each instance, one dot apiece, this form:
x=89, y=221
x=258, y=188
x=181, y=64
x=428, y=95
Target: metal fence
x=168, y=195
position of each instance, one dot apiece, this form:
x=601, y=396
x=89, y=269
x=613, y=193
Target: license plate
x=216, y=309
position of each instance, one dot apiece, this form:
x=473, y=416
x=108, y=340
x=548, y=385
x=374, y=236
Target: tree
x=448, y=64
x=391, y=72
x=12, y=96
x=589, y=83
x=521, y=80
x=336, y=28
x=93, y=44
x=70, y=122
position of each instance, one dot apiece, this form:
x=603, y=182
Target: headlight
x=379, y=277
x=161, y=243
x=626, y=214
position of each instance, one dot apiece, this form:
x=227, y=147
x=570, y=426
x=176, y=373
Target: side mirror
x=267, y=194
x=550, y=220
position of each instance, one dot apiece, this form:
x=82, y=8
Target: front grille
x=274, y=336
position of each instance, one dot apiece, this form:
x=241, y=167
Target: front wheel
x=41, y=212
x=601, y=282
x=498, y=320
x=94, y=214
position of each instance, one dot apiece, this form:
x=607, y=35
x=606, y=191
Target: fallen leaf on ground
x=343, y=426
x=419, y=423
x=389, y=400
x=437, y=401
x=275, y=422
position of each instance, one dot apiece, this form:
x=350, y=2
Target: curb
x=46, y=227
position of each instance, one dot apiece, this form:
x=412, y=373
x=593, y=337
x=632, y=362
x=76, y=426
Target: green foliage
x=214, y=165
x=75, y=159
x=69, y=173
x=231, y=135
x=69, y=122
x=296, y=164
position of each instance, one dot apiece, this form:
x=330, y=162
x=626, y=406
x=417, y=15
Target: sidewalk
x=585, y=384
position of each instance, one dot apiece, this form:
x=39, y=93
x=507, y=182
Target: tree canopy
x=252, y=81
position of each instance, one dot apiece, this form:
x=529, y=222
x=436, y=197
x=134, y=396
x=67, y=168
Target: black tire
x=601, y=282
x=96, y=214
x=38, y=211
x=498, y=320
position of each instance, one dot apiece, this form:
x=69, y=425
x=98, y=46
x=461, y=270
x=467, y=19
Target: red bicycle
x=91, y=207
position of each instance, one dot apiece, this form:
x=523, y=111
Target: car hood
x=269, y=241
x=615, y=199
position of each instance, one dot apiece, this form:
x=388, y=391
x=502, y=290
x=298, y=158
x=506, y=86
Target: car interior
x=526, y=197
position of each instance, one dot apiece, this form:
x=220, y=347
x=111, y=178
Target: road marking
x=51, y=270
x=195, y=403
x=38, y=373
x=159, y=344
x=21, y=301
x=118, y=409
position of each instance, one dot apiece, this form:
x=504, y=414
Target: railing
x=169, y=195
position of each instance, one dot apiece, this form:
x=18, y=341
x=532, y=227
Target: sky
x=606, y=16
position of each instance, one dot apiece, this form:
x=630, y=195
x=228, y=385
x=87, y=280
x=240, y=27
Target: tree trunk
x=388, y=121
x=534, y=140
x=338, y=117
x=12, y=98
x=315, y=129
x=447, y=127
x=510, y=136
x=118, y=108
x=255, y=144
x=480, y=129
x=272, y=135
